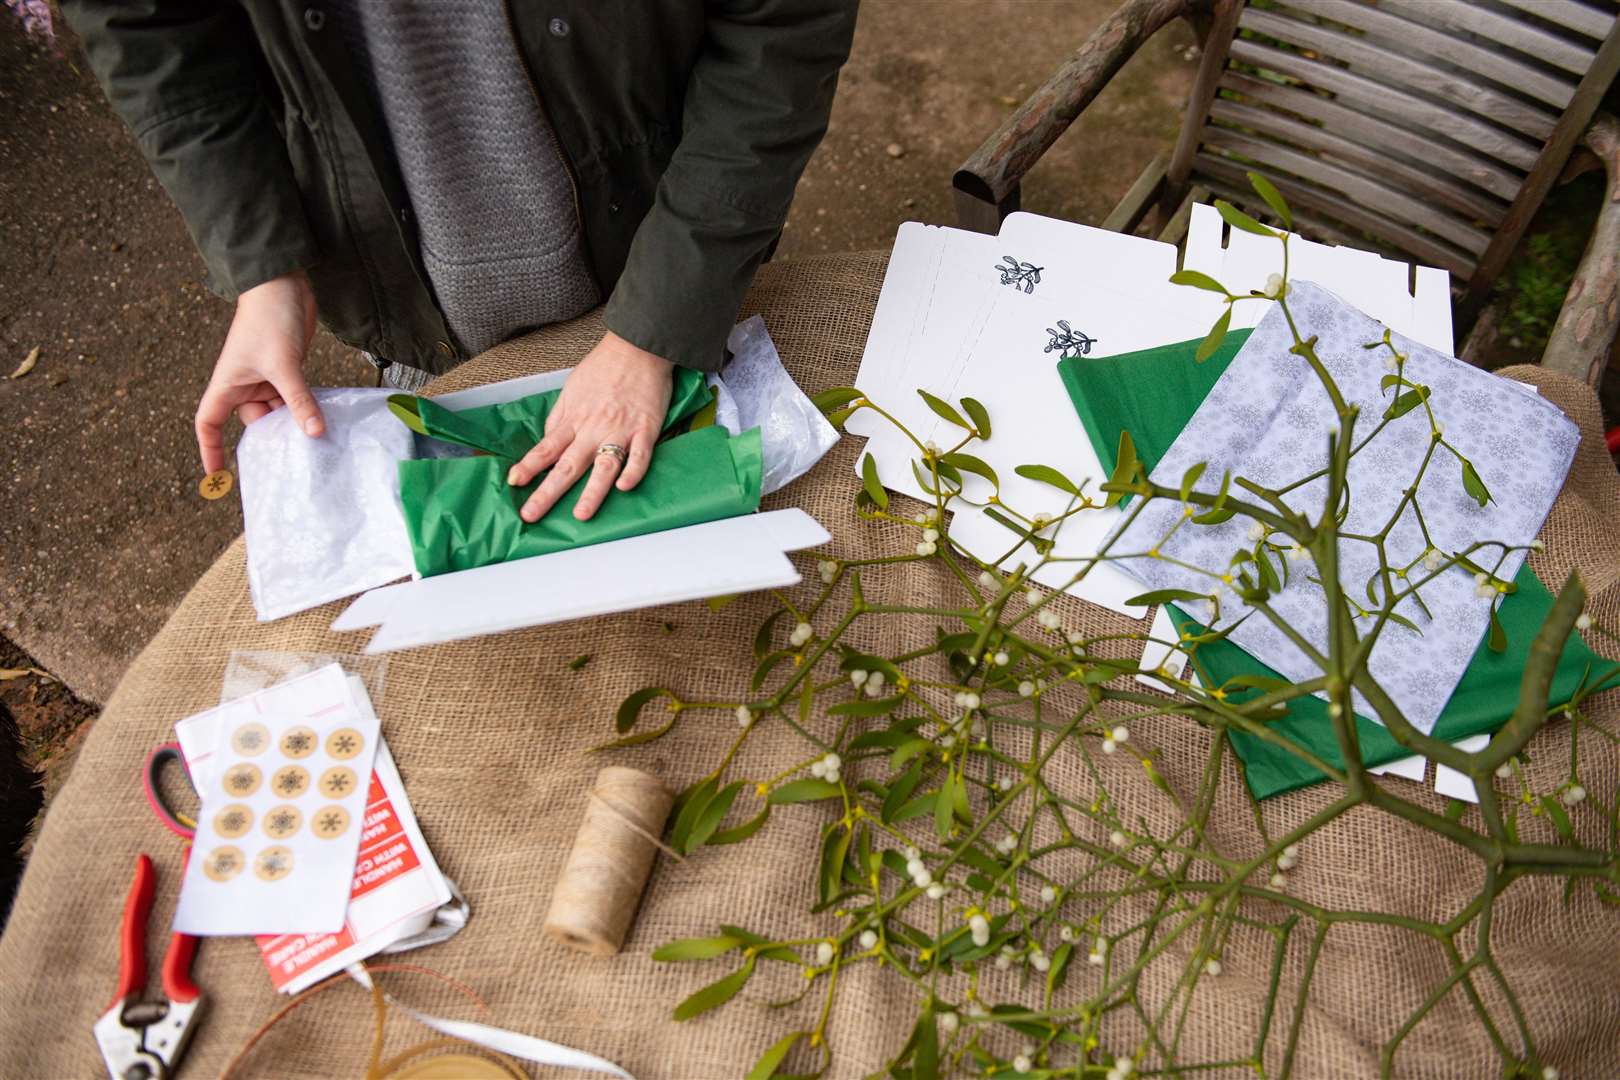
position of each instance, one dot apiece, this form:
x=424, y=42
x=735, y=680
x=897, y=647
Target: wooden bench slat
x=1353, y=186
x=1450, y=86
x=1460, y=165
x=1230, y=179
x=1504, y=30
x=1581, y=18
x=1465, y=199
x=1493, y=64
x=1391, y=103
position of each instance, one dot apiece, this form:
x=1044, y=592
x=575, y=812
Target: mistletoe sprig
x=1023, y=917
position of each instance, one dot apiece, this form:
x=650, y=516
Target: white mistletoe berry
x=1048, y=894
x=802, y=633
x=948, y=1022
x=1573, y=795
x=936, y=890
x=868, y=939
x=1118, y=839
x=1108, y=745
x=1257, y=531
x=1026, y=688
x=1002, y=659
x=1039, y=961
x=931, y=535
x=1583, y=621
x=825, y=953
x=1095, y=957
x=987, y=579
x=1032, y=597
x=1121, y=733
x=858, y=676
x=745, y=716
x=1278, y=880
x=1212, y=966
x=1022, y=1064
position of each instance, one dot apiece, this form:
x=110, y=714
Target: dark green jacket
x=685, y=124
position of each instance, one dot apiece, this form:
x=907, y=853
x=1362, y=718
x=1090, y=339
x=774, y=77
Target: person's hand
x=617, y=395
x=261, y=366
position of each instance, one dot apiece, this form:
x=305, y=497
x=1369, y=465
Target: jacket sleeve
x=185, y=76
x=756, y=106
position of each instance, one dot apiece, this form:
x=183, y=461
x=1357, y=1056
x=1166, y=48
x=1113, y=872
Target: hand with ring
x=606, y=422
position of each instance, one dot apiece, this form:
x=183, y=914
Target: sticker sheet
x=396, y=883
x=283, y=801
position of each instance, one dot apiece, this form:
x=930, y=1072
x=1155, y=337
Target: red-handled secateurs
x=144, y=1039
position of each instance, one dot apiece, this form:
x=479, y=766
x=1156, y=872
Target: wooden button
x=223, y=863
x=282, y=821
x=233, y=821
x=337, y=782
x=242, y=780
x=216, y=485
x=344, y=743
x=273, y=863
x=250, y=740
x=329, y=822
x=290, y=781
x=299, y=742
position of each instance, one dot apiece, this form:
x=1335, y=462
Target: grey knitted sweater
x=494, y=205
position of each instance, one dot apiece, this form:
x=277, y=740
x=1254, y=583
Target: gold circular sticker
x=329, y=822
x=337, y=782
x=216, y=485
x=290, y=781
x=344, y=743
x=233, y=821
x=273, y=863
x=242, y=780
x=224, y=863
x=299, y=742
x=282, y=821
x=250, y=740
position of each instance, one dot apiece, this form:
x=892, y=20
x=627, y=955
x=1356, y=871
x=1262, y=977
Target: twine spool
x=596, y=897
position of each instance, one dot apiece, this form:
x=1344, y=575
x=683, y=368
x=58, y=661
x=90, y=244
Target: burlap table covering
x=490, y=735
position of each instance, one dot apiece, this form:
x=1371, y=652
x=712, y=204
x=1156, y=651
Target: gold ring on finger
x=615, y=450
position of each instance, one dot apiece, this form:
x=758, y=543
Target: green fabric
x=461, y=512
x=1153, y=394
x=510, y=429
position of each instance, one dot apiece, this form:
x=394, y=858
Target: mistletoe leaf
x=1213, y=339
x=1273, y=197
x=979, y=415
x=1045, y=474
x=872, y=485
x=1473, y=484
x=1239, y=220
x=945, y=411
x=715, y=994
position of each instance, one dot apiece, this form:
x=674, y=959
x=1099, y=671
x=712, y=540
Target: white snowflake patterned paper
x=1268, y=419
